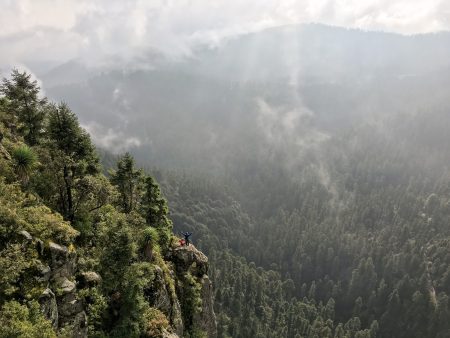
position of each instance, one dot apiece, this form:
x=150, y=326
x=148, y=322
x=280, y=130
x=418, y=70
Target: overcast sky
x=97, y=31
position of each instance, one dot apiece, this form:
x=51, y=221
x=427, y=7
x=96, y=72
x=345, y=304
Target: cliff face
x=191, y=267
x=55, y=276
x=180, y=289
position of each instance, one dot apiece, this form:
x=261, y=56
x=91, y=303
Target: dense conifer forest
x=348, y=240
x=362, y=252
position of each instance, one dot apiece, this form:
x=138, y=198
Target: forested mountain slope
x=364, y=226
x=82, y=254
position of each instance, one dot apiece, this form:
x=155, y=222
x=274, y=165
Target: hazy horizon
x=126, y=32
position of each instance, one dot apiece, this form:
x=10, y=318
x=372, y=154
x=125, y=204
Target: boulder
x=26, y=236
x=69, y=306
x=49, y=308
x=80, y=325
x=44, y=273
x=62, y=262
x=59, y=254
x=167, y=334
x=65, y=286
x=89, y=279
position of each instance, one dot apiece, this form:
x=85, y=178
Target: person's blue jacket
x=186, y=235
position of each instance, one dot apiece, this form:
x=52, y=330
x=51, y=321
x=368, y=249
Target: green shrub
x=25, y=321
x=24, y=160
x=15, y=262
x=23, y=212
x=196, y=333
x=191, y=301
x=96, y=307
x=155, y=323
x=150, y=234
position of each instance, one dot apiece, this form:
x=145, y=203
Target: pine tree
x=74, y=155
x=154, y=206
x=23, y=97
x=128, y=181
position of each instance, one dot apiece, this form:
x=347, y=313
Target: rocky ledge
x=187, y=260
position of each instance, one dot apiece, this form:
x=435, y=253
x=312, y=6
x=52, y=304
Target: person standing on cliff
x=186, y=237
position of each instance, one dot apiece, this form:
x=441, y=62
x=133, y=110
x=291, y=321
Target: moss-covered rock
x=194, y=291
x=189, y=258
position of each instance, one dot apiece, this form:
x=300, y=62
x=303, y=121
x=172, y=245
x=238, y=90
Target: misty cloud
x=130, y=33
x=115, y=141
x=289, y=130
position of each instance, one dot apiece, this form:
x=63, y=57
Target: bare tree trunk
x=148, y=251
x=68, y=184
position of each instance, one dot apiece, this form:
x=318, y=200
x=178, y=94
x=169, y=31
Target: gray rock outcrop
x=49, y=308
x=207, y=318
x=59, y=302
x=187, y=259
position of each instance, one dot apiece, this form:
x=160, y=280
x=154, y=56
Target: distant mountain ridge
x=316, y=50
x=271, y=90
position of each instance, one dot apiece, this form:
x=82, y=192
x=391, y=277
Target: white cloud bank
x=114, y=140
x=102, y=31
